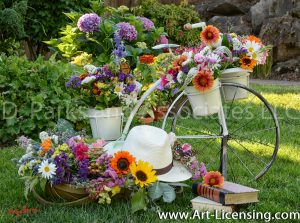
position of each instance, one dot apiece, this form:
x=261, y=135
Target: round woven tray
x=66, y=193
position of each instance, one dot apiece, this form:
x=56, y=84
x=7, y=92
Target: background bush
x=172, y=17
x=37, y=86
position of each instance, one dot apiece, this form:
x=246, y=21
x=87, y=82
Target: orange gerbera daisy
x=177, y=64
x=147, y=59
x=213, y=179
x=210, y=35
x=247, y=63
x=203, y=81
x=254, y=39
x=121, y=162
x=46, y=144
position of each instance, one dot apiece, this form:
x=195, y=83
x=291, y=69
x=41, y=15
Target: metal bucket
x=238, y=76
x=205, y=103
x=106, y=124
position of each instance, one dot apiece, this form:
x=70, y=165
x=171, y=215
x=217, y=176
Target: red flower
x=213, y=179
x=81, y=151
x=147, y=59
x=203, y=81
x=210, y=35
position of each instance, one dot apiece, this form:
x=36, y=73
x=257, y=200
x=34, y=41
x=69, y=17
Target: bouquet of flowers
x=81, y=163
x=202, y=65
x=107, y=86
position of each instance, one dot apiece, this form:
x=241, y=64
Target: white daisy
x=47, y=169
x=119, y=89
x=253, y=49
x=88, y=80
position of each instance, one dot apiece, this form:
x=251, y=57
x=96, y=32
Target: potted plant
x=107, y=90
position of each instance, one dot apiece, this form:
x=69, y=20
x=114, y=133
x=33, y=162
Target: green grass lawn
x=279, y=188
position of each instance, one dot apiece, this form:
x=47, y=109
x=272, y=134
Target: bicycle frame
x=223, y=135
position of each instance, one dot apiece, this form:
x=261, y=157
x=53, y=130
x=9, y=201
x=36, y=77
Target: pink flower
x=186, y=147
x=81, y=151
x=163, y=40
x=98, y=144
x=198, y=58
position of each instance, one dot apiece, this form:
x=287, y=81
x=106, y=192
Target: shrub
x=33, y=96
x=173, y=18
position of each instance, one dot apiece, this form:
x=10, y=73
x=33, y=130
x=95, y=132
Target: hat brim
x=178, y=172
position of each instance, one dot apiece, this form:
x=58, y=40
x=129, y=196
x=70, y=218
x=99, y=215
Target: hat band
x=164, y=170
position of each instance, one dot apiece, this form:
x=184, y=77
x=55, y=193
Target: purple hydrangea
x=147, y=23
x=89, y=23
x=74, y=82
x=127, y=31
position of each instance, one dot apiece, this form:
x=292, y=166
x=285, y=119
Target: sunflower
x=213, y=179
x=143, y=173
x=247, y=63
x=46, y=144
x=203, y=81
x=121, y=162
x=210, y=35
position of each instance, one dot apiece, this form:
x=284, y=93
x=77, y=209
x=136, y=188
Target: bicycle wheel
x=250, y=147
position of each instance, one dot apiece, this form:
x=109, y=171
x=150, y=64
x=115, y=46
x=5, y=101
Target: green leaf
x=225, y=41
x=138, y=201
x=155, y=191
x=164, y=190
x=43, y=184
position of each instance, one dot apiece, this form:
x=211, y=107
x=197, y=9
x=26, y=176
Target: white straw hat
x=152, y=144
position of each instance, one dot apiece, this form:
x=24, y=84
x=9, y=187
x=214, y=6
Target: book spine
x=209, y=193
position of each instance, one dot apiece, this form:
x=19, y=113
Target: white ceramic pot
x=106, y=124
x=205, y=103
x=235, y=75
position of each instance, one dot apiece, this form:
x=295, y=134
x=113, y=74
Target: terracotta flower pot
x=146, y=120
x=160, y=112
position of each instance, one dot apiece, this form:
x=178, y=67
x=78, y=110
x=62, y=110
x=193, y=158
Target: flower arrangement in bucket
x=246, y=52
x=197, y=70
x=107, y=89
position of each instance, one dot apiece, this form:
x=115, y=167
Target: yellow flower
x=101, y=85
x=82, y=60
x=143, y=173
x=146, y=87
x=115, y=190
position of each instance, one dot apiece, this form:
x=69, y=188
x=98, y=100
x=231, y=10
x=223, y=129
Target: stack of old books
x=225, y=199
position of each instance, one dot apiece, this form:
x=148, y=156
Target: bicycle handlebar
x=189, y=26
